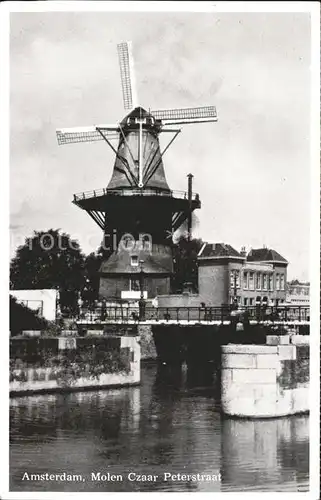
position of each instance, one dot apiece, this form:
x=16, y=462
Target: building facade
x=226, y=276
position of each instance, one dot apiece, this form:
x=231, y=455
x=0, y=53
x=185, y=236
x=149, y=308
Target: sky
x=251, y=168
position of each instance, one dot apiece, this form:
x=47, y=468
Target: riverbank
x=66, y=364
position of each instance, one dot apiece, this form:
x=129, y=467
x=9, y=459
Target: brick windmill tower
x=137, y=211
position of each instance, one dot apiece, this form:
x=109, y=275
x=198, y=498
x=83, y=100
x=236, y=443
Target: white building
x=298, y=294
x=42, y=301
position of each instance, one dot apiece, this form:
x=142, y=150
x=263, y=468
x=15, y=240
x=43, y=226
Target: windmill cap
x=139, y=112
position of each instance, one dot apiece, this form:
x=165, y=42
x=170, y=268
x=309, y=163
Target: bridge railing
x=195, y=314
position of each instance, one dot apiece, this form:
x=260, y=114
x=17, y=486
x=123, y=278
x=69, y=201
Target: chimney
x=243, y=252
x=190, y=198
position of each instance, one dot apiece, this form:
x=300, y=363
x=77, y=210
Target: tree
x=185, y=263
x=50, y=259
x=294, y=282
x=92, y=264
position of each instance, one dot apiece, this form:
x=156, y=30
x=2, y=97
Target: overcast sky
x=251, y=168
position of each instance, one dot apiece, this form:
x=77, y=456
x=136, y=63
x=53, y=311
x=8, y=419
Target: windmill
x=137, y=202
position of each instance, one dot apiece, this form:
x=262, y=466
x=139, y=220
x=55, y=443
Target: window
x=270, y=281
x=147, y=243
x=245, y=301
x=127, y=241
x=245, y=278
x=277, y=282
x=258, y=281
x=251, y=282
x=251, y=302
x=134, y=285
x=282, y=281
x=264, y=282
x=235, y=279
x=134, y=260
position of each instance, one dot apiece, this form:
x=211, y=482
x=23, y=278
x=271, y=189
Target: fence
x=123, y=313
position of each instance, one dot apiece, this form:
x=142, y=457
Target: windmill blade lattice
x=83, y=134
x=186, y=115
x=127, y=75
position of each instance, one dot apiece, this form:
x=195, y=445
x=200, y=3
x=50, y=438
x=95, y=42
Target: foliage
x=185, y=263
x=53, y=329
x=73, y=365
x=297, y=282
x=92, y=264
x=50, y=259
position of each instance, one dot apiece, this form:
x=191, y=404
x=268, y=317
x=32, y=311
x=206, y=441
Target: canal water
x=168, y=427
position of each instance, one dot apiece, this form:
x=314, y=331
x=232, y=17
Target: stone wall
x=147, y=344
x=179, y=300
x=265, y=380
x=73, y=363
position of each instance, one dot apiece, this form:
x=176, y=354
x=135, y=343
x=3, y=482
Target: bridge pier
x=272, y=380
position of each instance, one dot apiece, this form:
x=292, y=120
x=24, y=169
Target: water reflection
x=171, y=423
x=279, y=449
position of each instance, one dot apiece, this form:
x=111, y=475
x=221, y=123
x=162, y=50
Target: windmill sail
x=85, y=134
x=186, y=115
x=127, y=76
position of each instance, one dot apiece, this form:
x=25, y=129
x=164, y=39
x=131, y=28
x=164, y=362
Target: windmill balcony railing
x=124, y=314
x=133, y=192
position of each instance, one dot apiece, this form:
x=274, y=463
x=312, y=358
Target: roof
x=265, y=255
x=214, y=250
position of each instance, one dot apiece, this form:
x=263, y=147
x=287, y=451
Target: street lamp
x=141, y=286
x=85, y=291
x=80, y=303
